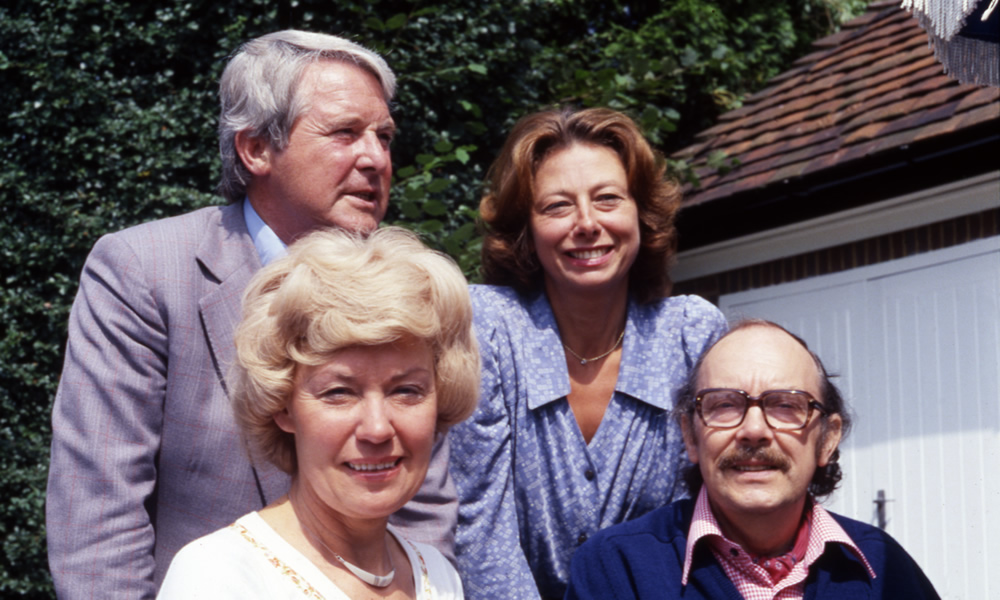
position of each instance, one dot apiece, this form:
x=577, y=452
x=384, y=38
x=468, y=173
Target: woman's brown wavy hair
x=508, y=256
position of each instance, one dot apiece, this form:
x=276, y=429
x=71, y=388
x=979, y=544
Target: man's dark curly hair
x=826, y=479
x=508, y=255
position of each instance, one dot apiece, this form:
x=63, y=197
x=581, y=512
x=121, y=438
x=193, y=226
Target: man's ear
x=255, y=153
x=830, y=441
x=687, y=430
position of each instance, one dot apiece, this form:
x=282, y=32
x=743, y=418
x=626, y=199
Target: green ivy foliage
x=109, y=119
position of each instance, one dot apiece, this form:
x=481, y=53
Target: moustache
x=767, y=456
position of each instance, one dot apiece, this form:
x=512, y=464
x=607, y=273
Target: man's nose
x=754, y=428
x=372, y=152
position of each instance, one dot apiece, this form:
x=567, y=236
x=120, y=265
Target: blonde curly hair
x=335, y=290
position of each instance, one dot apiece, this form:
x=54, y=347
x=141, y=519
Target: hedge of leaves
x=109, y=115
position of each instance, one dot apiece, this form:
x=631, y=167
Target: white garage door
x=917, y=345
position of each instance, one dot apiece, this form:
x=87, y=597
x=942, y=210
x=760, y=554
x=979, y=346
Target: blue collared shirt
x=530, y=488
x=269, y=245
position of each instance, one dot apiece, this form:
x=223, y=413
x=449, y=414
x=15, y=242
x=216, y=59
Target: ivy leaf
x=435, y=208
x=438, y=185
x=411, y=210
x=396, y=21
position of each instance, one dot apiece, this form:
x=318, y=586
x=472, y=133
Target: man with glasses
x=762, y=423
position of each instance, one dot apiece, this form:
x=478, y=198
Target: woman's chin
x=375, y=497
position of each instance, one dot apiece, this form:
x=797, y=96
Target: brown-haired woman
x=582, y=350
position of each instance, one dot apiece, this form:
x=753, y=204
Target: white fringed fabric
x=965, y=59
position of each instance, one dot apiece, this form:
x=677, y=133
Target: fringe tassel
x=968, y=60
x=941, y=18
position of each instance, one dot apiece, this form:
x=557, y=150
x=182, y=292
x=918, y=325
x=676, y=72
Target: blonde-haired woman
x=353, y=354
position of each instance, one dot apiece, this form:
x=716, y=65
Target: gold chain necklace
x=584, y=361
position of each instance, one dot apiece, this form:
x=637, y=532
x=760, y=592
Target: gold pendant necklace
x=379, y=581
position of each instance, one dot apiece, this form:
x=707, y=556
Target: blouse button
x=589, y=474
x=582, y=538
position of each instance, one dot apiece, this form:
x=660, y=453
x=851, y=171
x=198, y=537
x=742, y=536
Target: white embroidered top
x=250, y=560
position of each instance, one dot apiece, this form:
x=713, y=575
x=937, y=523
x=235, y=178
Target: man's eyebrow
x=342, y=120
x=352, y=121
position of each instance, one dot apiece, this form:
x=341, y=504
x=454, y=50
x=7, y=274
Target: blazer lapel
x=229, y=259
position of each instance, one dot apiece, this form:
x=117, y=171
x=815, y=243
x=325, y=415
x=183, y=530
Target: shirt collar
x=635, y=377
x=269, y=246
x=703, y=524
x=543, y=349
x=550, y=377
x=825, y=530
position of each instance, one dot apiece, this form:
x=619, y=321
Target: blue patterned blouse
x=530, y=488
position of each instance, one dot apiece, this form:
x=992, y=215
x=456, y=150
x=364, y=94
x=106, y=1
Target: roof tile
x=939, y=97
x=881, y=113
x=865, y=133
x=984, y=95
x=895, y=140
x=825, y=161
x=939, y=128
x=983, y=114
x=789, y=171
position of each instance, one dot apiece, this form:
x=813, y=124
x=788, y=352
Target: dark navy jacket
x=644, y=558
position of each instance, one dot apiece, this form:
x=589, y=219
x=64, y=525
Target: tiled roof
x=872, y=87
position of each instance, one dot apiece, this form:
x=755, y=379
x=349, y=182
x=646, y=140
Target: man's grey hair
x=258, y=92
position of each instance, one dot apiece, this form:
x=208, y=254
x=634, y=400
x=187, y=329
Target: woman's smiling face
x=364, y=424
x=584, y=222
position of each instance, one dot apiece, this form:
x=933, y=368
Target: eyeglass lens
x=782, y=410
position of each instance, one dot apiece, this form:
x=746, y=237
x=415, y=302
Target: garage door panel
x=940, y=335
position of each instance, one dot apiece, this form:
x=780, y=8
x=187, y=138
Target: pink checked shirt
x=753, y=581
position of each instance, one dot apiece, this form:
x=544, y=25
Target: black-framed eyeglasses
x=785, y=410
